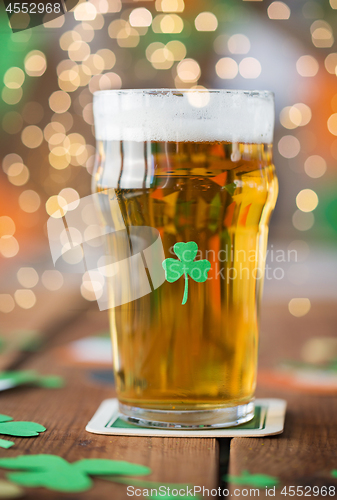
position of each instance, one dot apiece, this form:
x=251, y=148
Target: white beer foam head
x=172, y=115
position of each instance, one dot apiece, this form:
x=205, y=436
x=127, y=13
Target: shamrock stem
x=185, y=290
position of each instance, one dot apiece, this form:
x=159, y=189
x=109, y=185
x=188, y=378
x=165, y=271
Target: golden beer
x=199, y=356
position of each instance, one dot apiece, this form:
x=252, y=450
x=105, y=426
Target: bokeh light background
x=48, y=76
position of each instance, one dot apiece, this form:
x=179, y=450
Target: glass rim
x=158, y=91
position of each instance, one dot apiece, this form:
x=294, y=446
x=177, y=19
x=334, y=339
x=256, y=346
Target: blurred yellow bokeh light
x=315, y=166
x=25, y=298
x=27, y=277
x=35, y=63
x=7, y=303
x=278, y=10
x=332, y=124
x=299, y=307
x=14, y=78
x=29, y=201
x=307, y=66
x=56, y=206
x=32, y=136
x=226, y=68
x=140, y=17
x=188, y=70
x=307, y=200
x=206, y=21
x=7, y=226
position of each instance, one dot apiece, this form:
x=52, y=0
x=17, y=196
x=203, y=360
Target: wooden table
x=303, y=455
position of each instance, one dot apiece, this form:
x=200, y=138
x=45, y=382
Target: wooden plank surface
x=52, y=311
x=303, y=456
x=306, y=452
x=65, y=413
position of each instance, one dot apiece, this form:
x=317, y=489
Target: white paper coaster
x=268, y=420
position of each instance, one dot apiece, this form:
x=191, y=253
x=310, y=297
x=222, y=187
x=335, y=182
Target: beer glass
x=191, y=174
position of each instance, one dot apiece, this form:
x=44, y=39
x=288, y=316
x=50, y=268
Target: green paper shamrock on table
x=22, y=429
x=55, y=473
x=20, y=377
x=4, y=443
x=257, y=480
x=174, y=268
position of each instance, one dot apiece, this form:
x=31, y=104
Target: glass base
x=193, y=419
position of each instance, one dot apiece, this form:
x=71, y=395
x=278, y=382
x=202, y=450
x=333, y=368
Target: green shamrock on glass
x=197, y=270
